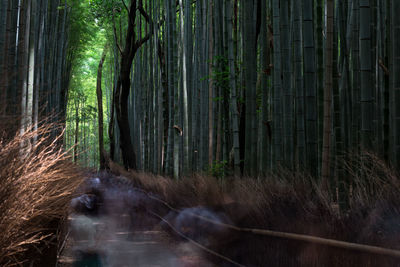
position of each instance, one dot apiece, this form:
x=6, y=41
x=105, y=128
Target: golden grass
x=36, y=185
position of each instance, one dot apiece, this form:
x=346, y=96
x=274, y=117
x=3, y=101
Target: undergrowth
x=36, y=185
x=295, y=203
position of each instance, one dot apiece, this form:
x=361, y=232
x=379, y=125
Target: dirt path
x=139, y=248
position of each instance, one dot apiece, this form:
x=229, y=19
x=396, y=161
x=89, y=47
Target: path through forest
x=140, y=248
x=111, y=225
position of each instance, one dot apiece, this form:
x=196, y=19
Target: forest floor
x=118, y=232
x=129, y=228
x=128, y=233
x=140, y=248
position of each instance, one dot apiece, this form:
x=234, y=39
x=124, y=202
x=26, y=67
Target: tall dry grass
x=36, y=185
x=293, y=202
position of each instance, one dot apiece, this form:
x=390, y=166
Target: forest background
x=241, y=88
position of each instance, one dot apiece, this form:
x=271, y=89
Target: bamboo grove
x=255, y=85
x=232, y=87
x=252, y=85
x=34, y=63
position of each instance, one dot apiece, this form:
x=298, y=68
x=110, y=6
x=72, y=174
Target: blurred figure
x=111, y=226
x=86, y=230
x=190, y=223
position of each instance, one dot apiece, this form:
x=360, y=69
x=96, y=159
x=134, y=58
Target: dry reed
x=36, y=184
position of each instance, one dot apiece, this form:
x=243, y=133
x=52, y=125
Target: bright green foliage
x=87, y=40
x=82, y=30
x=103, y=10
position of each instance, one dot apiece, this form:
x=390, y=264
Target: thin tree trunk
x=277, y=102
x=367, y=90
x=233, y=90
x=310, y=85
x=299, y=89
x=325, y=172
x=396, y=78
x=286, y=86
x=210, y=82
x=76, y=130
x=356, y=106
x=24, y=63
x=250, y=79
x=185, y=82
x=31, y=67
x=3, y=34
x=103, y=162
x=319, y=34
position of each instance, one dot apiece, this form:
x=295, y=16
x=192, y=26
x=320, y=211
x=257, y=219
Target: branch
x=143, y=12
x=140, y=42
x=126, y=7
x=115, y=33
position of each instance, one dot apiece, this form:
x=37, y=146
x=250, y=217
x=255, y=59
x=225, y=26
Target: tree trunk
x=319, y=34
x=356, y=106
x=111, y=125
x=24, y=64
x=124, y=85
x=76, y=130
x=3, y=24
x=210, y=81
x=233, y=91
x=327, y=97
x=310, y=84
x=286, y=86
x=277, y=98
x=250, y=79
x=299, y=89
x=185, y=84
x=367, y=90
x=103, y=163
x=396, y=78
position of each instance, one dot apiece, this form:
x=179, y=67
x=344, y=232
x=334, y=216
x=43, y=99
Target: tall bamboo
x=367, y=88
x=277, y=151
x=298, y=86
x=325, y=172
x=288, y=141
x=395, y=21
x=310, y=85
x=265, y=154
x=249, y=59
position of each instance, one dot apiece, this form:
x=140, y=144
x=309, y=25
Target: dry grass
x=36, y=185
x=38, y=182
x=294, y=203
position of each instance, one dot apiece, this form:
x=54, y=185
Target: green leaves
x=103, y=10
